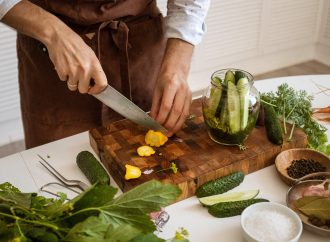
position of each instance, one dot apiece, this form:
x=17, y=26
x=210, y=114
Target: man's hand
x=74, y=61
x=172, y=96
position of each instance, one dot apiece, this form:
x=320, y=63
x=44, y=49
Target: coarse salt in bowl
x=271, y=222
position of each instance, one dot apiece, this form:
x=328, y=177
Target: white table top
x=24, y=171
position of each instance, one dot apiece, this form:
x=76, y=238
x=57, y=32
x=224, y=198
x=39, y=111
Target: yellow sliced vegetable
x=155, y=138
x=132, y=172
x=145, y=150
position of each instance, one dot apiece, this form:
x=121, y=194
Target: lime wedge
x=228, y=197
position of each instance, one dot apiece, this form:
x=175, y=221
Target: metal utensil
x=66, y=182
x=45, y=187
x=125, y=107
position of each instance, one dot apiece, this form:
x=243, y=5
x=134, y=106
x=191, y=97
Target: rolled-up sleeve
x=185, y=19
x=6, y=5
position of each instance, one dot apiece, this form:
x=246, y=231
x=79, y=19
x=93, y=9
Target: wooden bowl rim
x=284, y=174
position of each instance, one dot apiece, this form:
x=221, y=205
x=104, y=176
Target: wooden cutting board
x=197, y=157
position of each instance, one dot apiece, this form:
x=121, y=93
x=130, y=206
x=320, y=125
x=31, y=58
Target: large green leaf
x=95, y=196
x=122, y=233
x=147, y=238
x=133, y=206
x=90, y=230
x=147, y=197
x=96, y=229
x=120, y=216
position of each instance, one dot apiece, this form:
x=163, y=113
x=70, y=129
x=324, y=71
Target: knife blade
x=125, y=107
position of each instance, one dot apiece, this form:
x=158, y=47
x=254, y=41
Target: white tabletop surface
x=24, y=171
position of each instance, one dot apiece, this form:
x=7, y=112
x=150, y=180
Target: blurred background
x=268, y=38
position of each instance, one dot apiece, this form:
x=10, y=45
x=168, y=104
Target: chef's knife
x=125, y=107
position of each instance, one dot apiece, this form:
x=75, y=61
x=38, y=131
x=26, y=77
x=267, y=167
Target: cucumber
x=229, y=77
x=217, y=80
x=239, y=75
x=228, y=197
x=273, y=125
x=215, y=95
x=220, y=185
x=229, y=209
x=244, y=92
x=92, y=168
x=233, y=100
x=224, y=115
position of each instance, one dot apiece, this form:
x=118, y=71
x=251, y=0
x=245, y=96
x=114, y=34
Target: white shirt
x=6, y=5
x=184, y=20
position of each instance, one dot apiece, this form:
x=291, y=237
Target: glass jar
x=230, y=106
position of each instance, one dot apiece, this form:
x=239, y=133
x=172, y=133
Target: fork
x=67, y=182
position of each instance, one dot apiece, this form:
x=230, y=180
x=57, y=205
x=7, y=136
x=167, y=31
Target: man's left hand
x=172, y=95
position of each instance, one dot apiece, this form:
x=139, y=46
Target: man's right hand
x=74, y=61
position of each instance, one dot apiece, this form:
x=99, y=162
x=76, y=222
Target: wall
x=255, y=35
x=11, y=130
x=322, y=49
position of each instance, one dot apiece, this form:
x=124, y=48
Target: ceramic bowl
x=285, y=159
x=295, y=192
x=269, y=221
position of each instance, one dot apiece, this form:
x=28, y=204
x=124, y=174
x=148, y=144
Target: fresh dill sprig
x=295, y=107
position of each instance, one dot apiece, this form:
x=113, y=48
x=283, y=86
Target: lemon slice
x=228, y=197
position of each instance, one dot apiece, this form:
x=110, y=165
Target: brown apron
x=126, y=35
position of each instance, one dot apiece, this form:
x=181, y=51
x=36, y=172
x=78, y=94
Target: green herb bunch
x=93, y=216
x=295, y=107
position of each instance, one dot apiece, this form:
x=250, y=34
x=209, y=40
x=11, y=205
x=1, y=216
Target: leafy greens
x=295, y=107
x=95, y=215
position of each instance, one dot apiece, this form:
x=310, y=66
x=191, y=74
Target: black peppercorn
x=303, y=167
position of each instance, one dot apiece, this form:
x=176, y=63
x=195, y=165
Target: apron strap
x=119, y=32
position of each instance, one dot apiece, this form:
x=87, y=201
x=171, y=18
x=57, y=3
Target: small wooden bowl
x=285, y=158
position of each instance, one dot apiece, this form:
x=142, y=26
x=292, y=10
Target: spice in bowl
x=294, y=164
x=270, y=222
x=303, y=167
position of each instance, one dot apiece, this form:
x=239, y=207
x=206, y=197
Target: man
x=89, y=43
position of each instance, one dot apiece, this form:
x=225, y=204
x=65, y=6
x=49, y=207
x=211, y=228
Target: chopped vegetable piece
x=155, y=138
x=233, y=103
x=244, y=93
x=229, y=77
x=239, y=75
x=228, y=197
x=132, y=172
x=145, y=150
x=215, y=95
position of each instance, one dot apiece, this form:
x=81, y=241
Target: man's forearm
x=178, y=54
x=33, y=21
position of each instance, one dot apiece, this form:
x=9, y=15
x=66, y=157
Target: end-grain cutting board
x=197, y=157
